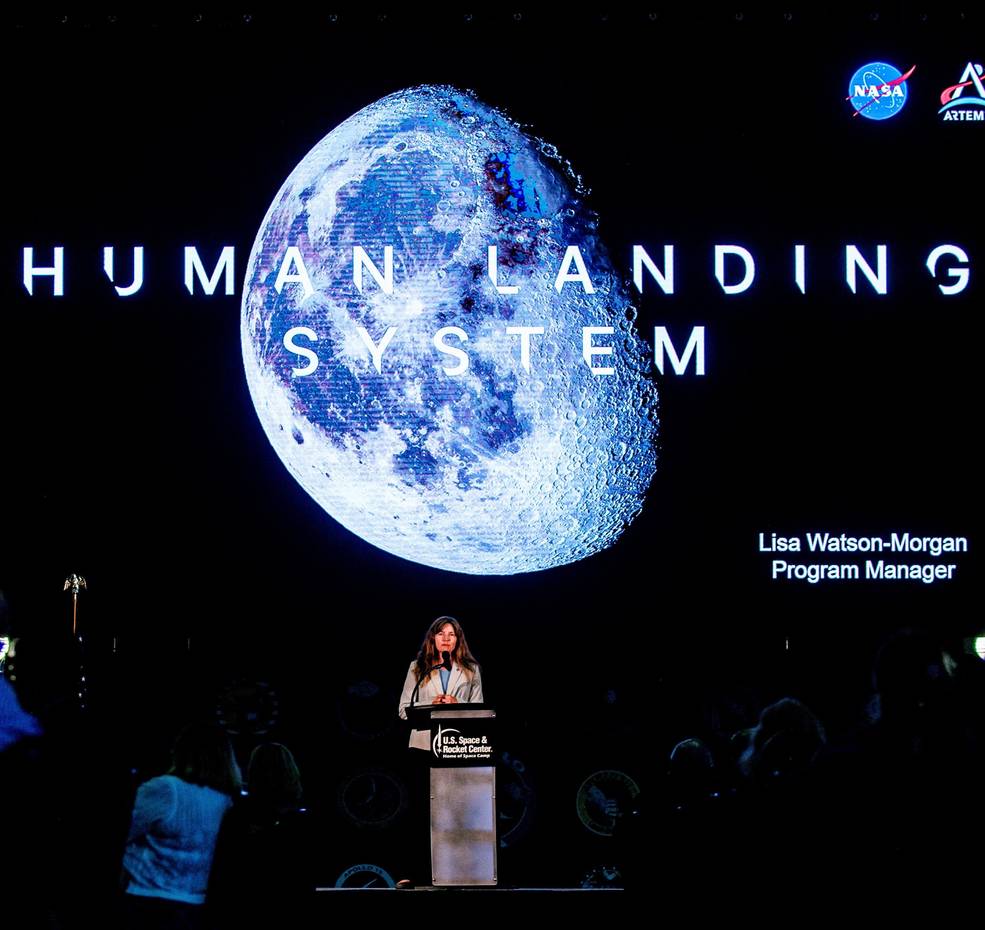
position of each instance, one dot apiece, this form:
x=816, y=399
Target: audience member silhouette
x=265, y=858
x=895, y=789
x=173, y=832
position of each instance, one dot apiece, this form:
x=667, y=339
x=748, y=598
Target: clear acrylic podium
x=463, y=792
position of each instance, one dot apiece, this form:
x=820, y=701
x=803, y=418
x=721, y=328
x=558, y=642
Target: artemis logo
x=878, y=90
x=956, y=104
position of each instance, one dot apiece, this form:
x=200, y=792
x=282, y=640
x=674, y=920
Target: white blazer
x=463, y=687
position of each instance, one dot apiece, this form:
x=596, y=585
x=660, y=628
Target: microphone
x=444, y=663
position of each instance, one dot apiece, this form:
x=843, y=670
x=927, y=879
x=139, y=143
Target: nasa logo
x=956, y=105
x=878, y=90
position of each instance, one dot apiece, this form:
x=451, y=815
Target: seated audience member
x=264, y=860
x=173, y=831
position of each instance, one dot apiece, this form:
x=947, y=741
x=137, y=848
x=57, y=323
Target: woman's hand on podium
x=445, y=699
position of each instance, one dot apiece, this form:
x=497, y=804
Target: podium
x=463, y=791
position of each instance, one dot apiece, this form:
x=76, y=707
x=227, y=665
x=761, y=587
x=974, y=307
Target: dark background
x=132, y=454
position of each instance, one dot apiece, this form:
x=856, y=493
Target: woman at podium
x=444, y=672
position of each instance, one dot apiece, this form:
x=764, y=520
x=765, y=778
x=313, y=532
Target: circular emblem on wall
x=515, y=801
x=372, y=798
x=247, y=708
x=603, y=798
x=365, y=875
x=365, y=713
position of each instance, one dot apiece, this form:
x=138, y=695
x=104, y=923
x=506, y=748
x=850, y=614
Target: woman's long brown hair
x=203, y=755
x=428, y=656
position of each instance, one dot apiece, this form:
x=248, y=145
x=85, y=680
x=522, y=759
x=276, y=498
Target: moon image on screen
x=396, y=395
